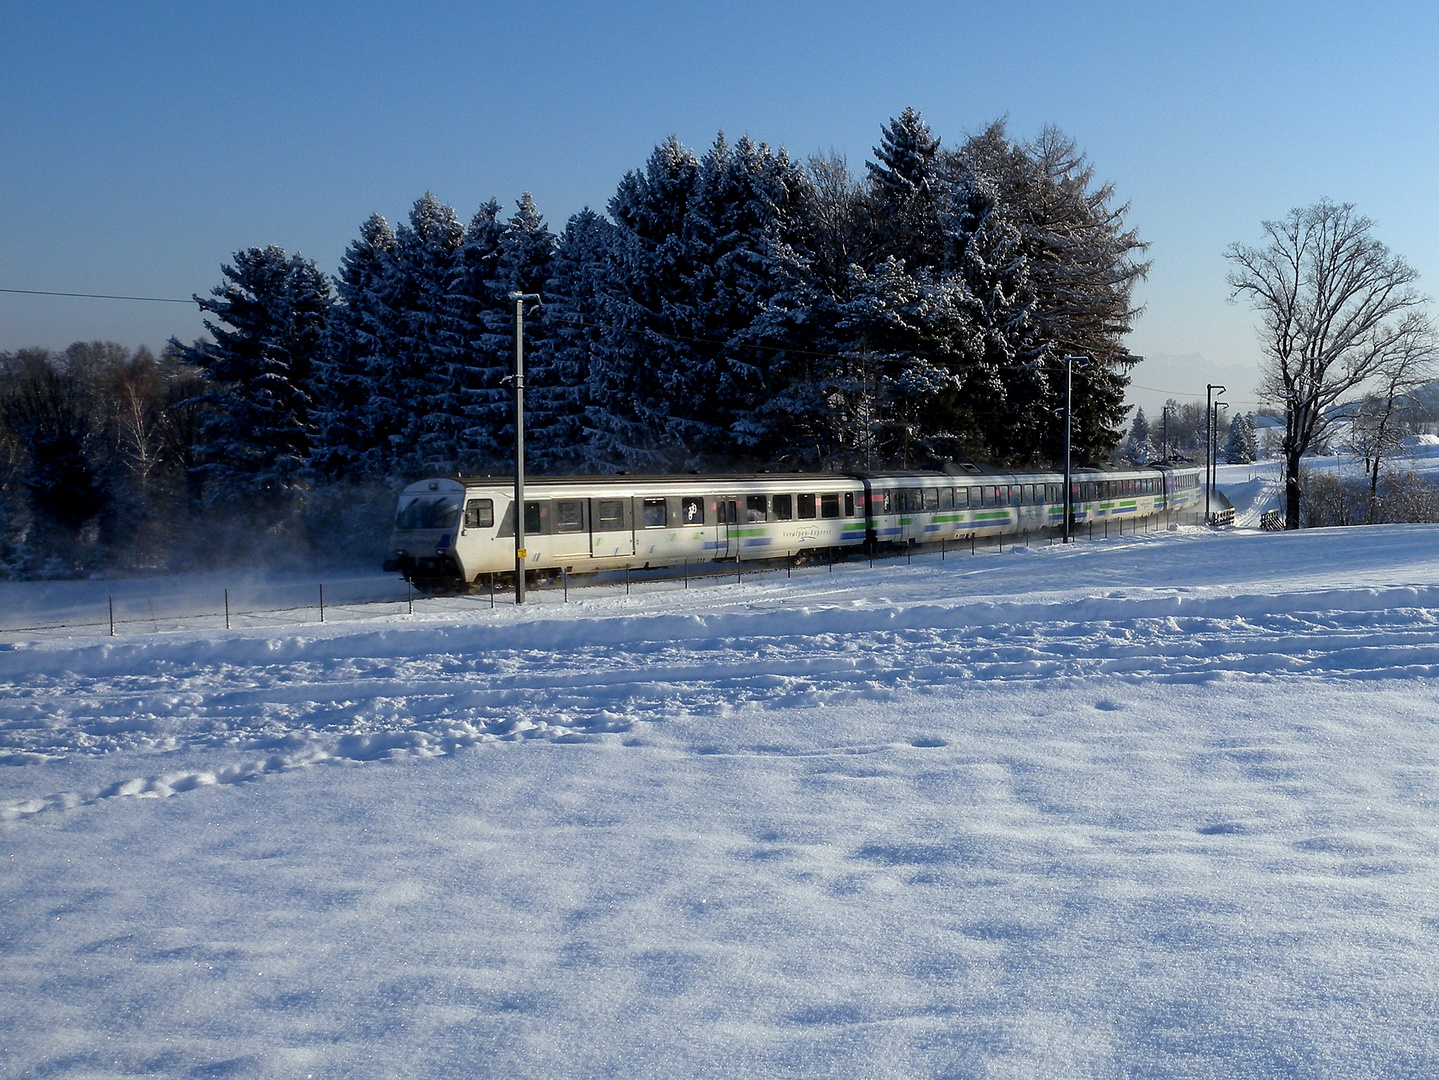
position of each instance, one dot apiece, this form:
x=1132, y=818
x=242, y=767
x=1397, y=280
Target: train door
x=727, y=528
x=567, y=522
x=610, y=532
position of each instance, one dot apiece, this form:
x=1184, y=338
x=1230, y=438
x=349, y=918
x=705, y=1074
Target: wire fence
x=346, y=600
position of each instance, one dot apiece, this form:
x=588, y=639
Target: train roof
x=958, y=471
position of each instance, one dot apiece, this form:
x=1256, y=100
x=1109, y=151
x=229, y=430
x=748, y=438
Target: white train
x=455, y=531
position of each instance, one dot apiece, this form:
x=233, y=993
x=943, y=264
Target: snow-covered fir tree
x=423, y=389
x=1083, y=262
x=1239, y=445
x=1006, y=396
x=522, y=260
x=917, y=346
x=268, y=328
x=910, y=192
x=478, y=364
x=638, y=377
x=352, y=428
x=574, y=319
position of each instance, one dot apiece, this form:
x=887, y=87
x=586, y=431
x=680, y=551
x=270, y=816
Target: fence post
x=627, y=580
x=687, y=573
x=492, y=588
x=227, y=609
x=322, y=601
x=941, y=549
x=112, y=616
x=409, y=596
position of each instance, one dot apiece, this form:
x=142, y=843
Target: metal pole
x=520, y=553
x=112, y=616
x=322, y=603
x=1068, y=412
x=1214, y=450
x=227, y=607
x=1209, y=440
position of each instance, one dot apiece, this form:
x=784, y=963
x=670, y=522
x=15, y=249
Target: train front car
x=427, y=521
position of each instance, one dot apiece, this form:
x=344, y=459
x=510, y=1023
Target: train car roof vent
x=434, y=485
x=968, y=467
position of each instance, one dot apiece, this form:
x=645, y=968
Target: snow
x=1159, y=806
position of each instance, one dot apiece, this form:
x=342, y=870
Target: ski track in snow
x=270, y=703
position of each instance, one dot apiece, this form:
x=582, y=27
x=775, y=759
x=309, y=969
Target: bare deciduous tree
x=1378, y=427
x=1337, y=308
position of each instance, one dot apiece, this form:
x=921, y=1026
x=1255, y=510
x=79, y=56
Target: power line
x=98, y=296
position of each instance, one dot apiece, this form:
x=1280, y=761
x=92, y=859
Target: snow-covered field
x=1165, y=806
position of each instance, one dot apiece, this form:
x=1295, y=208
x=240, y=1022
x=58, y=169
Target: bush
x=1400, y=497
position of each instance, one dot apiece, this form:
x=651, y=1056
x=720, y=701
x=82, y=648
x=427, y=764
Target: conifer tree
x=352, y=425
x=1006, y=395
x=909, y=191
x=1239, y=448
x=574, y=319
x=917, y=343
x=424, y=390
x=1083, y=263
x=521, y=263
x=269, y=327
x=479, y=365
x=639, y=376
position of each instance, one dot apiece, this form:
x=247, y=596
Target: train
x=453, y=532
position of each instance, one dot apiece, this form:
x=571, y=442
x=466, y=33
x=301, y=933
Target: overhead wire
x=99, y=296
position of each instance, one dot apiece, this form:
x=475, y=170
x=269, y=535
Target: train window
x=656, y=514
x=916, y=500
x=849, y=504
x=961, y=498
x=806, y=506
x=569, y=515
x=1001, y=495
x=480, y=514
x=535, y=515
x=783, y=507
x=427, y=512
x=756, y=508
x=887, y=502
x=829, y=505
x=946, y=498
x=986, y=496
x=1028, y=494
x=692, y=510
x=931, y=499
x=609, y=515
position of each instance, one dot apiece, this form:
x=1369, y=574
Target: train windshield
x=428, y=512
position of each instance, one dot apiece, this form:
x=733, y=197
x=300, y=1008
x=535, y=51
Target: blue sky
x=144, y=143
